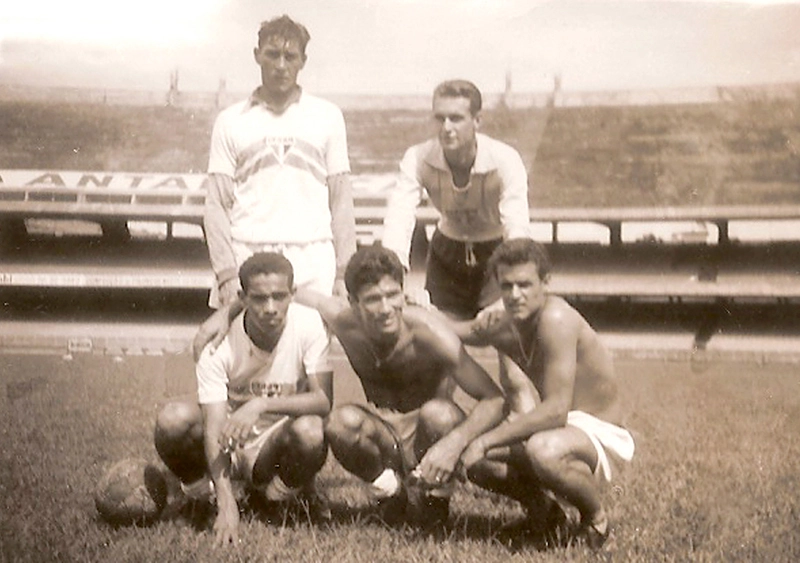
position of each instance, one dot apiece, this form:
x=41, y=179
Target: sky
x=404, y=46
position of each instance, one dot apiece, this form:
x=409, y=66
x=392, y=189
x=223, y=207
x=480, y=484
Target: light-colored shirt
x=280, y=164
x=239, y=370
x=492, y=205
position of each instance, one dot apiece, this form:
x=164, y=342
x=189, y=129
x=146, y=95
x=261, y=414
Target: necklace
x=527, y=357
x=377, y=360
x=402, y=341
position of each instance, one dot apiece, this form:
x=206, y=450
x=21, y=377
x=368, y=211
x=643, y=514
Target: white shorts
x=314, y=264
x=606, y=438
x=243, y=458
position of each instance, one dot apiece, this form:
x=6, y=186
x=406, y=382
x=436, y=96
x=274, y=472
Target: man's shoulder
x=235, y=108
x=425, y=148
x=496, y=146
x=427, y=153
x=303, y=315
x=320, y=104
x=430, y=329
x=557, y=311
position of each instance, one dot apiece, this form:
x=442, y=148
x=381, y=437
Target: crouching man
x=563, y=434
x=407, y=440
x=262, y=396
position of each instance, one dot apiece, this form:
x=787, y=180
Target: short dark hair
x=368, y=265
x=460, y=89
x=513, y=252
x=265, y=263
x=285, y=28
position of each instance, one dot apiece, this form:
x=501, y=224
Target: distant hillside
x=222, y=98
x=742, y=150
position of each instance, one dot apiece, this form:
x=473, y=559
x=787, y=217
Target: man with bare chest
x=563, y=432
x=409, y=363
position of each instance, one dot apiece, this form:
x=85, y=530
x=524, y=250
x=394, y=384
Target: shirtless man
x=408, y=439
x=563, y=431
x=409, y=363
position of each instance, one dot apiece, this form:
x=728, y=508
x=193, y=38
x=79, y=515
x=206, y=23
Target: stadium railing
x=722, y=268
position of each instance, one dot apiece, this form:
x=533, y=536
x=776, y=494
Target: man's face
x=522, y=291
x=380, y=307
x=267, y=300
x=457, y=126
x=280, y=60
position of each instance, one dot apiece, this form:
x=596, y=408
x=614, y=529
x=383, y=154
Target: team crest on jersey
x=280, y=147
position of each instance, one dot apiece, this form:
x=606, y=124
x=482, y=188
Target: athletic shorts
x=244, y=457
x=456, y=276
x=609, y=440
x=314, y=264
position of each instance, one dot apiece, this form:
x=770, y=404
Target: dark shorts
x=457, y=279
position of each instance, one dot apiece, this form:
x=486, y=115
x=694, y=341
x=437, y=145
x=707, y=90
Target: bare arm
x=442, y=458
x=343, y=224
x=521, y=395
x=217, y=226
x=558, y=338
x=215, y=327
x=317, y=400
x=219, y=464
x=488, y=411
x=327, y=306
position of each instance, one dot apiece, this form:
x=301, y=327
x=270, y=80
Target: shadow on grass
x=515, y=535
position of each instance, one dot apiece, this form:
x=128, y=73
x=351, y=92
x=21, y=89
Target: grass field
x=715, y=476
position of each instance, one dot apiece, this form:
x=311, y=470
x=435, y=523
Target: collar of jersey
x=257, y=99
x=484, y=162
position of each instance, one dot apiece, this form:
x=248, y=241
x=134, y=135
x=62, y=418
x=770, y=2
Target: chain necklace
x=377, y=360
x=518, y=337
x=402, y=340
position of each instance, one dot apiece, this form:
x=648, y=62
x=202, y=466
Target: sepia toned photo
x=395, y=280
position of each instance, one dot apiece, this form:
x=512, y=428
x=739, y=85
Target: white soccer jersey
x=280, y=164
x=239, y=370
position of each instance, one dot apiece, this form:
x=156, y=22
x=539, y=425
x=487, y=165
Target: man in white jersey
x=261, y=400
x=480, y=187
x=278, y=174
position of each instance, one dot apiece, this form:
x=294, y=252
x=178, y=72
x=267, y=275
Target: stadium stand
x=644, y=269
x=59, y=233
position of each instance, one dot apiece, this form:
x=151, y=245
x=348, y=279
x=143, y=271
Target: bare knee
x=177, y=419
x=307, y=432
x=437, y=417
x=345, y=424
x=545, y=452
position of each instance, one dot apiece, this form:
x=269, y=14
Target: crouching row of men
x=550, y=430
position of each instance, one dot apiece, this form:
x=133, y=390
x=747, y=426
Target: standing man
x=567, y=443
x=480, y=187
x=261, y=399
x=278, y=174
x=409, y=437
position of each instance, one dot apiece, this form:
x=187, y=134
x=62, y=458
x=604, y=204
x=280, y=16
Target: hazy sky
x=404, y=46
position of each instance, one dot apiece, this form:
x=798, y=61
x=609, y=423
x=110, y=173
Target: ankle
x=599, y=521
